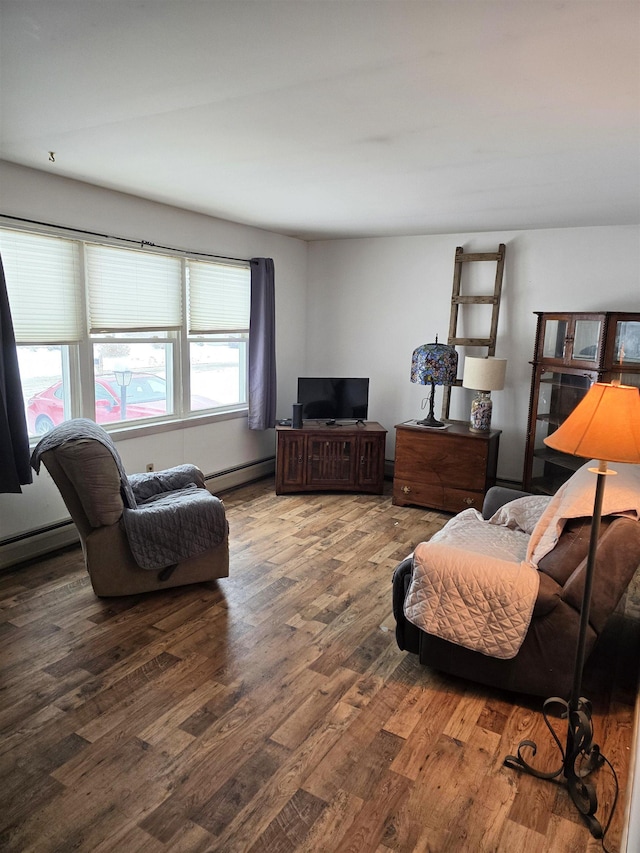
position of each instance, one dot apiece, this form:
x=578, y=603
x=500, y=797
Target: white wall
x=374, y=300
x=216, y=447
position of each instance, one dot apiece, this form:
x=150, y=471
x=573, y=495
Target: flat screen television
x=333, y=399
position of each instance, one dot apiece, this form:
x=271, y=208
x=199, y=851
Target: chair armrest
x=498, y=496
x=156, y=482
x=617, y=559
x=548, y=596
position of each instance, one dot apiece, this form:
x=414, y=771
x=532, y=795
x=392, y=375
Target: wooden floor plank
x=272, y=711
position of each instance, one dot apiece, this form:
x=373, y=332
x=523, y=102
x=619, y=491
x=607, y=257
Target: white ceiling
x=334, y=118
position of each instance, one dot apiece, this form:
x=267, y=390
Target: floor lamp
x=605, y=426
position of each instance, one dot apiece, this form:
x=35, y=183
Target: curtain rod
x=141, y=243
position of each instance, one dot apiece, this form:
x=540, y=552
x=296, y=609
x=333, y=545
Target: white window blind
x=219, y=298
x=132, y=291
x=44, y=284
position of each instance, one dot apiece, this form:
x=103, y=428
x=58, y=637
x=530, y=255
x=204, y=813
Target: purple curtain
x=262, y=345
x=14, y=437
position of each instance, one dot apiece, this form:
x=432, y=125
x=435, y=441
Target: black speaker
x=296, y=420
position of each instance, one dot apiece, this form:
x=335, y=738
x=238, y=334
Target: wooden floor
x=273, y=711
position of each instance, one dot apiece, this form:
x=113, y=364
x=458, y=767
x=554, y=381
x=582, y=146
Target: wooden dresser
x=447, y=469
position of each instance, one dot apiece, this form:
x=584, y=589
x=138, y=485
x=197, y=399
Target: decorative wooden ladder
x=458, y=300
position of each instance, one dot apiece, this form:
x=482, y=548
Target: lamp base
x=481, y=406
x=579, y=759
x=432, y=423
x=431, y=420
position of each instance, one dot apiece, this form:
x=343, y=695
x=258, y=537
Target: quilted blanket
x=471, y=585
x=172, y=526
x=574, y=499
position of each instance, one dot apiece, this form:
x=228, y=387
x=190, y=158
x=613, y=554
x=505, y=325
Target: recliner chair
x=177, y=529
x=545, y=661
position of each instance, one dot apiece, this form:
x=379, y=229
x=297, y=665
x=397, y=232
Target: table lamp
x=434, y=364
x=483, y=375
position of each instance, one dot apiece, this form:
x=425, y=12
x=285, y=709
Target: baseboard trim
x=38, y=543
x=240, y=475
x=41, y=541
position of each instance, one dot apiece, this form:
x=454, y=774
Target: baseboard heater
x=51, y=537
x=240, y=475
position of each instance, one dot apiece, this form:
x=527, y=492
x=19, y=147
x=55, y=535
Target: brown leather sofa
x=545, y=662
x=89, y=476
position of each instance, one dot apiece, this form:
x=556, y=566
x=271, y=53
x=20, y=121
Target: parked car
x=146, y=397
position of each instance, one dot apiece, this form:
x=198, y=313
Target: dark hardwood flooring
x=272, y=711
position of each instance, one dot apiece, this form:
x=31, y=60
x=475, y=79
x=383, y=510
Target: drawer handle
x=469, y=501
x=406, y=489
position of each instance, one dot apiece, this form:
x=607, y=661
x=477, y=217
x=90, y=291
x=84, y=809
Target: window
x=218, y=365
x=218, y=327
x=121, y=335
x=145, y=364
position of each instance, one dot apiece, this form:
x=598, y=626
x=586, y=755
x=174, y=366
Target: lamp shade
x=434, y=363
x=604, y=425
x=484, y=374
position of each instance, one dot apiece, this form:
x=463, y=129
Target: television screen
x=333, y=399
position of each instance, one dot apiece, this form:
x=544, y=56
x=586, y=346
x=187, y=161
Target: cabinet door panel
x=331, y=460
x=570, y=339
x=554, y=337
x=573, y=350
x=370, y=461
x=291, y=456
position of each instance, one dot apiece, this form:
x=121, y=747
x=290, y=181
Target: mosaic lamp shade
x=434, y=364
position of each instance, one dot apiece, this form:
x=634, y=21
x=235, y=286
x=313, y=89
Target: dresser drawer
x=442, y=461
x=410, y=492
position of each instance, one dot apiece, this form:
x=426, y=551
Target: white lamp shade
x=484, y=374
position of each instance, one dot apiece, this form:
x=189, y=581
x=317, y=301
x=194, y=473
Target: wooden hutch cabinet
x=572, y=351
x=330, y=458
x=447, y=469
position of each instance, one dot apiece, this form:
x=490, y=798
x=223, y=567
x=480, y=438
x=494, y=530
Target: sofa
x=139, y=533
x=554, y=535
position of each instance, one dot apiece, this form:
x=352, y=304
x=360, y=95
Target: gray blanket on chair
x=172, y=526
x=168, y=515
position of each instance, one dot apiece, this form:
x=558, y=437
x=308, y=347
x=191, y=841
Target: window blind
x=44, y=284
x=219, y=298
x=132, y=291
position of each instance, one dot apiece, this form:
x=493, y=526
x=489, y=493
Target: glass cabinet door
x=558, y=395
x=622, y=355
x=571, y=340
x=572, y=351
x=626, y=350
x=586, y=339
x=555, y=335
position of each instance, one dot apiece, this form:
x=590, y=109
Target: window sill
x=134, y=430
